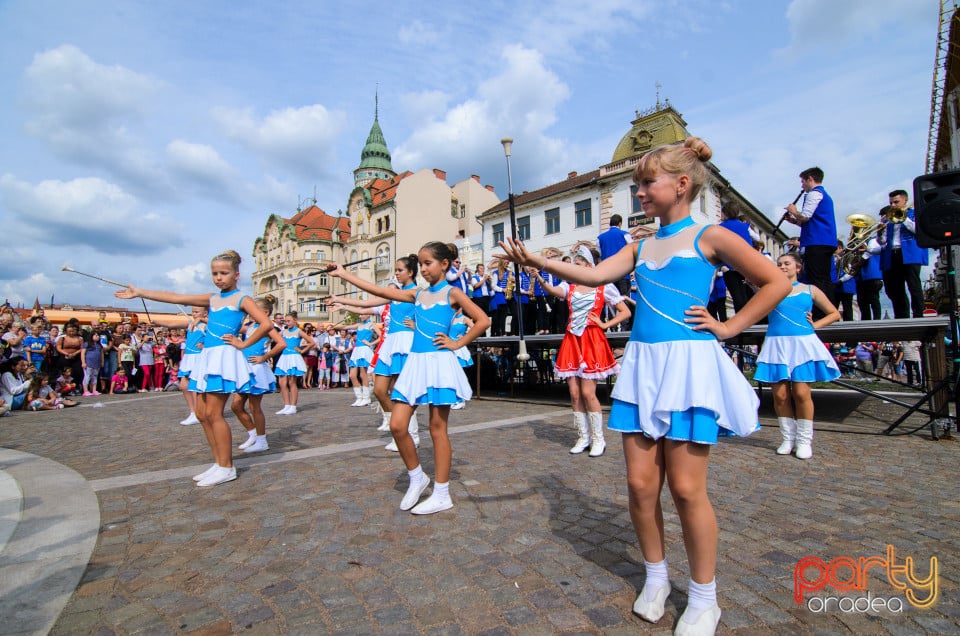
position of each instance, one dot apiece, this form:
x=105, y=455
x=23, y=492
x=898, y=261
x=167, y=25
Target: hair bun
x=699, y=147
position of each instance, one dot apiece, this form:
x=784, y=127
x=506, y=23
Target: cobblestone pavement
x=310, y=538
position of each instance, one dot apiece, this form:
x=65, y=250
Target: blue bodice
x=223, y=320
x=258, y=348
x=364, y=333
x=194, y=339
x=292, y=338
x=437, y=317
x=399, y=312
x=789, y=318
x=666, y=290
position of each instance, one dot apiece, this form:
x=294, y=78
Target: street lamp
x=523, y=356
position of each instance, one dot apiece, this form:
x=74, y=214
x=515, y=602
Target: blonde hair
x=267, y=303
x=228, y=256
x=688, y=157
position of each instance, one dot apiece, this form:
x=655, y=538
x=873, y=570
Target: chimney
x=489, y=187
x=571, y=174
x=440, y=174
x=475, y=178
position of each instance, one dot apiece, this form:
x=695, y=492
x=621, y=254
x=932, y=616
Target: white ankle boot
x=364, y=396
x=788, y=429
x=414, y=430
x=580, y=420
x=804, y=448
x=358, y=395
x=384, y=423
x=597, y=443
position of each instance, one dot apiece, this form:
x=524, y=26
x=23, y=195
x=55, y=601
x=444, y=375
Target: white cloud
x=521, y=102
x=190, y=279
x=86, y=111
x=86, y=211
x=25, y=291
x=198, y=162
x=299, y=139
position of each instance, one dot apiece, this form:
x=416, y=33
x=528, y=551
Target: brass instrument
x=862, y=229
x=894, y=214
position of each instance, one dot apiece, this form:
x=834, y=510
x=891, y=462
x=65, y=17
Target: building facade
x=579, y=208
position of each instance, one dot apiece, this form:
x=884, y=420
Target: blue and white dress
x=363, y=353
x=457, y=330
x=264, y=379
x=791, y=350
x=398, y=340
x=191, y=349
x=291, y=361
x=431, y=375
x=222, y=368
x=676, y=382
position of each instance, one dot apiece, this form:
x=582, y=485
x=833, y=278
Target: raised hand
x=128, y=293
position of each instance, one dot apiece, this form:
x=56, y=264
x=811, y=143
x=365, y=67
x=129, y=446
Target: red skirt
x=586, y=356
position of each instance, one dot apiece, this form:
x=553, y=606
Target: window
x=635, y=207
x=463, y=211
x=523, y=228
x=364, y=256
x=497, y=233
x=552, y=221
x=323, y=280
x=583, y=213
x=320, y=255
x=306, y=254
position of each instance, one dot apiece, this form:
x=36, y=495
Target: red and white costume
x=585, y=352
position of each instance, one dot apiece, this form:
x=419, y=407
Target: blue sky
x=141, y=138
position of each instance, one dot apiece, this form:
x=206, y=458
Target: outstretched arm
x=607, y=271
x=400, y=295
x=481, y=322
x=197, y=300
x=354, y=302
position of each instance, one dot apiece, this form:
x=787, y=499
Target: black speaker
x=936, y=202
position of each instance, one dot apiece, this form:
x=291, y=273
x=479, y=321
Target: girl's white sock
x=657, y=577
x=416, y=475
x=700, y=597
x=441, y=490
x=252, y=433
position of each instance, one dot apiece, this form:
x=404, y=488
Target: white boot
x=384, y=424
x=580, y=420
x=804, y=439
x=358, y=395
x=788, y=429
x=364, y=396
x=414, y=430
x=597, y=443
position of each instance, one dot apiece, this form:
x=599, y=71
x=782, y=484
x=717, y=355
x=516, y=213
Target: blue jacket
x=821, y=228
x=913, y=254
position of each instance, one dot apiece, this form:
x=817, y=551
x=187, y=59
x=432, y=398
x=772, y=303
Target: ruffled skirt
x=222, y=369
x=434, y=377
x=463, y=355
x=187, y=363
x=393, y=353
x=586, y=356
x=686, y=390
x=291, y=364
x=795, y=358
x=264, y=380
x=361, y=356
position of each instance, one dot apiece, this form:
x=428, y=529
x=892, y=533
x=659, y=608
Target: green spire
x=375, y=155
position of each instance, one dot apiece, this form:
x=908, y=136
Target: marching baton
x=784, y=217
x=67, y=268
x=330, y=268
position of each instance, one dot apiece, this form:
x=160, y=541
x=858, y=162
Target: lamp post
x=523, y=356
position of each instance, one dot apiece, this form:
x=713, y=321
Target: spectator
x=66, y=383
x=863, y=355
x=146, y=363
x=42, y=397
x=120, y=383
x=14, y=382
x=92, y=361
x=54, y=362
x=911, y=361
x=35, y=347
x=70, y=347
x=13, y=338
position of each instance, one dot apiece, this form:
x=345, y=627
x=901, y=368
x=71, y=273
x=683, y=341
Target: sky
x=141, y=138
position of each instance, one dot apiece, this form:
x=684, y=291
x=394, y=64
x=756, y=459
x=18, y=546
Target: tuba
x=862, y=229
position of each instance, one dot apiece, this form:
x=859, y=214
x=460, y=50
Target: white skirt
x=188, y=363
x=264, y=380
x=291, y=364
x=223, y=369
x=796, y=358
x=399, y=342
x=434, y=377
x=361, y=356
x=673, y=377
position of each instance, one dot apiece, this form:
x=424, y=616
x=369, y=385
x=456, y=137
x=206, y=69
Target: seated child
x=42, y=397
x=66, y=384
x=120, y=383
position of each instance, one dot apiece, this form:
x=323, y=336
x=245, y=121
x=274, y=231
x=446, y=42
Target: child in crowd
x=677, y=389
x=92, y=360
x=35, y=347
x=432, y=374
x=66, y=385
x=146, y=364
x=42, y=397
x=324, y=364
x=159, y=364
x=120, y=383
x=222, y=368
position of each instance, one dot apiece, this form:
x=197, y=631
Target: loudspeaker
x=936, y=201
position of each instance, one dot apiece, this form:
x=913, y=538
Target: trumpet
x=862, y=229
x=894, y=214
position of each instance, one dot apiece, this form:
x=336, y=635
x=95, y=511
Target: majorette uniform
x=291, y=361
x=264, y=379
x=431, y=375
x=191, y=349
x=457, y=330
x=585, y=351
x=676, y=382
x=398, y=340
x=362, y=353
x=791, y=350
x=222, y=368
